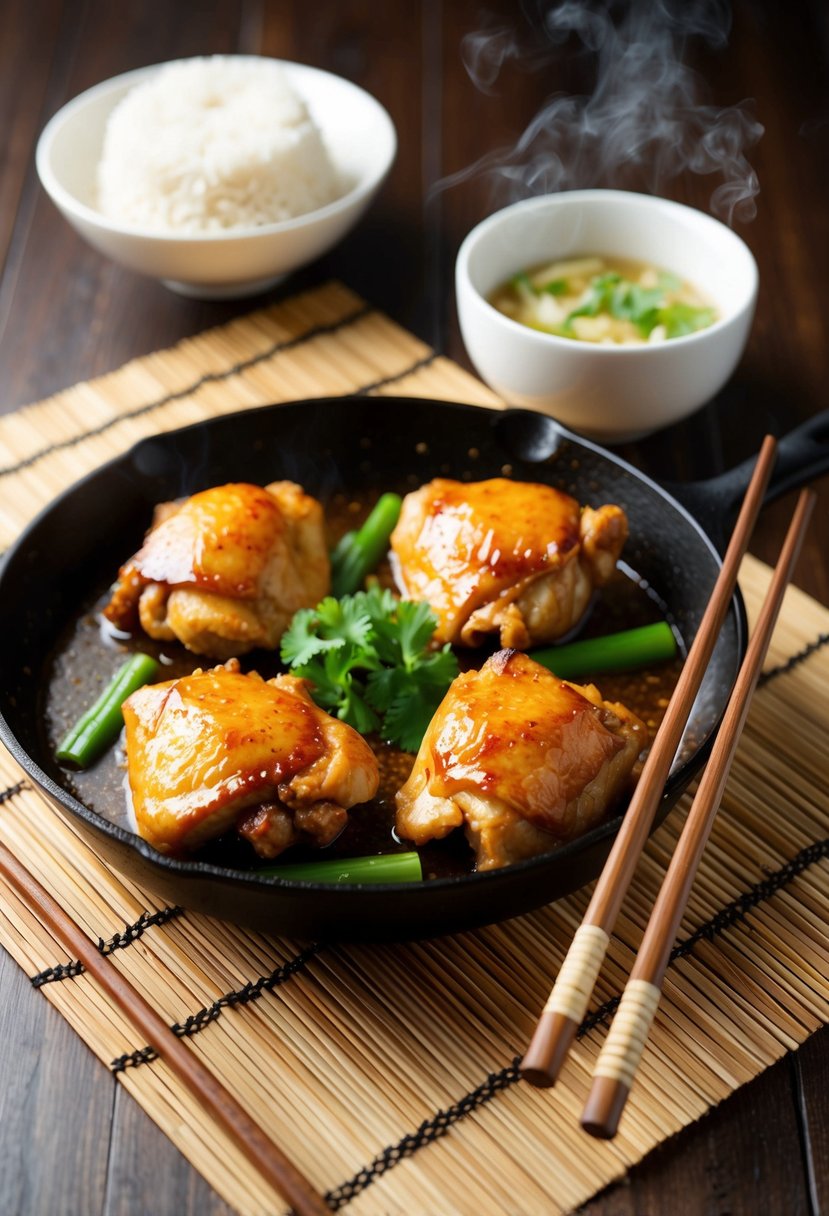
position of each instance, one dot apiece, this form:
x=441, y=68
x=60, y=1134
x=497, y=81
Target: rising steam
x=647, y=119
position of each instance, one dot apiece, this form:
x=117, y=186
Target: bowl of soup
x=616, y=313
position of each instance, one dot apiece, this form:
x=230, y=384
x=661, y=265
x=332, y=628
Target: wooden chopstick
x=567, y=1003
x=619, y=1058
x=260, y=1150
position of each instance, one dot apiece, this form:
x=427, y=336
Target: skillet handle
x=802, y=455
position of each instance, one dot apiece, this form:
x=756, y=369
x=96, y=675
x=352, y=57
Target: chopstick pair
x=619, y=1058
x=567, y=1003
x=571, y=993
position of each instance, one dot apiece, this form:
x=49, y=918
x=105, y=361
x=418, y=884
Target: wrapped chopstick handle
x=619, y=1058
x=566, y=1005
x=577, y=978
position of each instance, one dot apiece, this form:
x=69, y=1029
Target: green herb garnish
x=598, y=299
x=370, y=661
x=644, y=307
x=639, y=305
x=681, y=319
x=522, y=282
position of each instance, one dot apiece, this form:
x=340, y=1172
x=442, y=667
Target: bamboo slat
x=388, y=1073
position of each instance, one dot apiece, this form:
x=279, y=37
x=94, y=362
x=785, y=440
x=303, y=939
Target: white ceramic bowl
x=609, y=393
x=357, y=132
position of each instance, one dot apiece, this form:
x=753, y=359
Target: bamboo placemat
x=389, y=1073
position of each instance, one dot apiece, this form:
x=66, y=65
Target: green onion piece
x=100, y=725
x=616, y=652
x=391, y=867
x=360, y=552
x=522, y=282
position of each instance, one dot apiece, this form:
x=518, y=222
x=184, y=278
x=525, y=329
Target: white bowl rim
x=605, y=350
x=67, y=201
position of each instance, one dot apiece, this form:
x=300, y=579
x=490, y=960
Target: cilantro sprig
x=644, y=307
x=370, y=660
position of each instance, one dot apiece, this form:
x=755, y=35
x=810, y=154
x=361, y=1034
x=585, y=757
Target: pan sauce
x=86, y=658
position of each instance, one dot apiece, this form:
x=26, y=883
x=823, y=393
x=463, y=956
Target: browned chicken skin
x=506, y=557
x=521, y=760
x=225, y=570
x=218, y=748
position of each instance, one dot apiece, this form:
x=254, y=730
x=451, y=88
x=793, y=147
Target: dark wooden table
x=71, y=1140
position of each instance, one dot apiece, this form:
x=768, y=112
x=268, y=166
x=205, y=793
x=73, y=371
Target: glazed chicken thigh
x=218, y=749
x=503, y=557
x=225, y=570
x=521, y=760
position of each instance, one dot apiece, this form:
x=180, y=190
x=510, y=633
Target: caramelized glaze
x=225, y=570
x=204, y=748
x=218, y=540
x=512, y=749
x=512, y=558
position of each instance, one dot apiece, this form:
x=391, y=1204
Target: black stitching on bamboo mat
x=11, y=790
x=757, y=894
x=727, y=917
x=209, y=1013
x=432, y=1129
x=133, y=932
x=66, y=971
x=208, y=378
x=429, y=1131
x=61, y=971
x=144, y=1055
x=794, y=660
x=440, y=1123
x=371, y=386
x=409, y=371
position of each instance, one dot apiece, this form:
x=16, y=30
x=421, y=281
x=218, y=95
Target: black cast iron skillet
x=351, y=444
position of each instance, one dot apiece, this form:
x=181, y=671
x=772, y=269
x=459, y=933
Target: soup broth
x=610, y=301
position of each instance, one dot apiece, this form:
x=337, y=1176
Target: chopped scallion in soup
x=614, y=301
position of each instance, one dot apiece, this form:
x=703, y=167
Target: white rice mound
x=210, y=145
